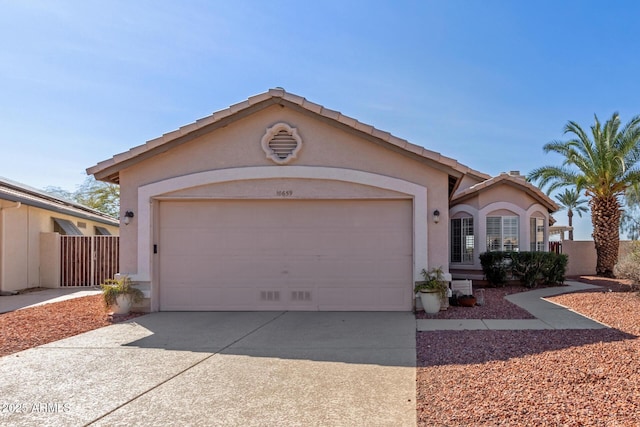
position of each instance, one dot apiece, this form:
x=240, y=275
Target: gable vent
x=281, y=143
x=269, y=295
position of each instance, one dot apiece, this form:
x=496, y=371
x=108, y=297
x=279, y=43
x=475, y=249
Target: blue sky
x=485, y=82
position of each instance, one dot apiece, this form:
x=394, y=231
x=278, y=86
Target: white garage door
x=286, y=255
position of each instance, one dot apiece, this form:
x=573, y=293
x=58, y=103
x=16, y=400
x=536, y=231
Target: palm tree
x=603, y=167
x=571, y=201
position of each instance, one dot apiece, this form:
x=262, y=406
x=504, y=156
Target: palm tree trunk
x=570, y=215
x=605, y=217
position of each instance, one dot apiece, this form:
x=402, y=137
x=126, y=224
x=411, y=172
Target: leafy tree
x=101, y=196
x=603, y=165
x=630, y=221
x=571, y=201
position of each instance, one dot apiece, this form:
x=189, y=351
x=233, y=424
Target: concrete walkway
x=548, y=315
x=46, y=296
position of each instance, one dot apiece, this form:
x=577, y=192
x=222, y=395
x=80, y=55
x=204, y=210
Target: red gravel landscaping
x=537, y=378
x=495, y=307
x=34, y=326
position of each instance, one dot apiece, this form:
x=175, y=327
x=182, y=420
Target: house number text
x=284, y=193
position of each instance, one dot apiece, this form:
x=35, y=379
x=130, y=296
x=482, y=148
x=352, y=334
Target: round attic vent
x=281, y=143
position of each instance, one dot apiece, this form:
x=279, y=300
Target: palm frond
x=570, y=200
x=554, y=176
x=601, y=164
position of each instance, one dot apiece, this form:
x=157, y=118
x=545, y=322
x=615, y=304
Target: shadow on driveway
x=381, y=338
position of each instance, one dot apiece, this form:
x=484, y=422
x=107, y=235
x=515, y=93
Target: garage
x=285, y=255
x=278, y=203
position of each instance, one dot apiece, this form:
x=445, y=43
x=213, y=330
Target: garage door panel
x=351, y=271
x=345, y=241
x=286, y=255
x=360, y=298
x=185, y=242
x=203, y=297
x=191, y=269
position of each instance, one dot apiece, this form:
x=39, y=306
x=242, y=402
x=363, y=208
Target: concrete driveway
x=263, y=368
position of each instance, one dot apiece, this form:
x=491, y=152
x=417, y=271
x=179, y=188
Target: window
x=537, y=235
x=101, y=231
x=65, y=227
x=462, y=240
x=502, y=233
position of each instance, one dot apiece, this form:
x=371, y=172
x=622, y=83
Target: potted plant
x=432, y=290
x=466, y=301
x=120, y=294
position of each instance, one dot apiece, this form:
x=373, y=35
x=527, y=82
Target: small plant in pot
x=466, y=300
x=432, y=289
x=120, y=294
x=460, y=300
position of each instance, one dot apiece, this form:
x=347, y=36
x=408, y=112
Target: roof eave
x=109, y=170
x=536, y=194
x=67, y=209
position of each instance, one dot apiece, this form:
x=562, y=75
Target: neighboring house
x=277, y=203
x=27, y=213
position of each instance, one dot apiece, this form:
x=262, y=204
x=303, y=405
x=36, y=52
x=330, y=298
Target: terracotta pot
x=467, y=301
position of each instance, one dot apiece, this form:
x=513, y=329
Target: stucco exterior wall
x=15, y=271
x=503, y=192
x=20, y=252
x=323, y=145
x=499, y=200
x=583, y=258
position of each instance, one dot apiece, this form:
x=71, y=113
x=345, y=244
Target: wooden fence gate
x=555, y=247
x=88, y=260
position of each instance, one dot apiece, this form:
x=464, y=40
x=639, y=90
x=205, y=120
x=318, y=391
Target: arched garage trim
x=146, y=193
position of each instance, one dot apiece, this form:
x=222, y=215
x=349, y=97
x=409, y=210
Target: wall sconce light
x=436, y=216
x=127, y=217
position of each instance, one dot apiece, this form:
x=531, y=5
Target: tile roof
x=17, y=192
x=108, y=170
x=515, y=180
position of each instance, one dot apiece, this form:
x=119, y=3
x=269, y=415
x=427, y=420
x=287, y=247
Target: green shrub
x=531, y=268
x=528, y=267
x=495, y=266
x=555, y=268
